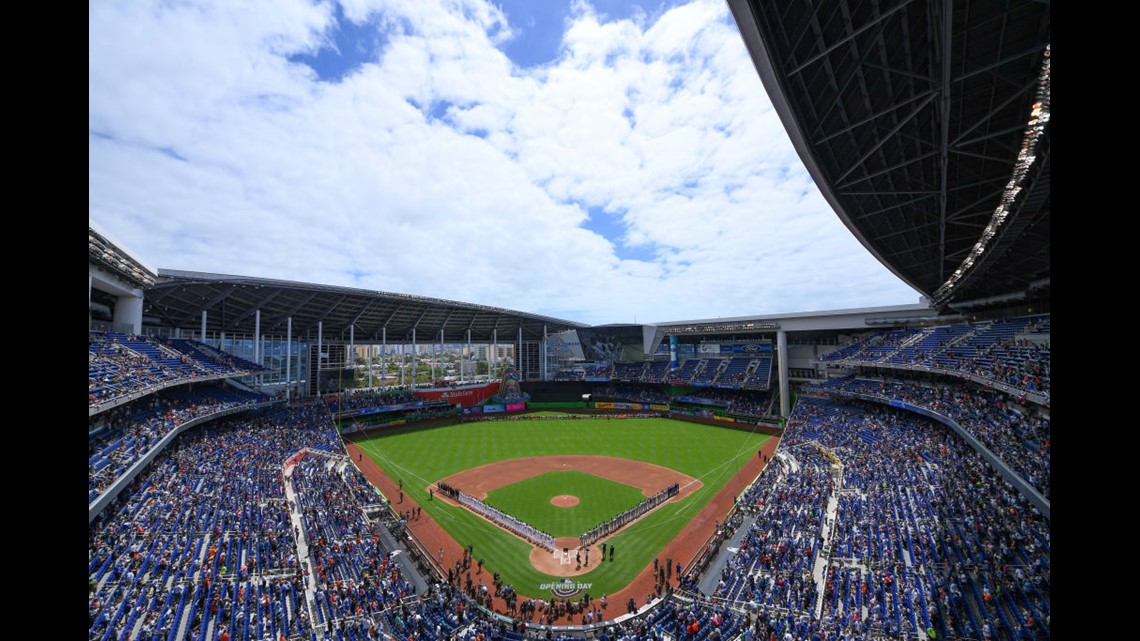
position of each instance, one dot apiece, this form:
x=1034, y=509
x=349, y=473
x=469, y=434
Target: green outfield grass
x=420, y=456
x=529, y=500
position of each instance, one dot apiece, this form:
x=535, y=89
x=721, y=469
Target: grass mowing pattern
x=529, y=501
x=419, y=456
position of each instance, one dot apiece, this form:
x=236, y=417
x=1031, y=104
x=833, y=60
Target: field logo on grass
x=565, y=588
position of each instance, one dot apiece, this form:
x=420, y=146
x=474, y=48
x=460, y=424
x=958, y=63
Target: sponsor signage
x=391, y=408
x=697, y=400
x=516, y=407
x=752, y=348
x=565, y=588
x=465, y=396
x=491, y=409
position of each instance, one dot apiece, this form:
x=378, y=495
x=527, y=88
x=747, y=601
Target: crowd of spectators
x=201, y=540
x=1018, y=434
x=114, y=371
x=1010, y=352
x=364, y=399
x=121, y=436
x=730, y=372
x=741, y=402
x=120, y=365
x=653, y=394
x=355, y=577
x=914, y=534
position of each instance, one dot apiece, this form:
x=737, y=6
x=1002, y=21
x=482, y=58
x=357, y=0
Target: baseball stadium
x=283, y=460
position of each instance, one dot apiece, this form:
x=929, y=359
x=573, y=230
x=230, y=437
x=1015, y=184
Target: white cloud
x=440, y=168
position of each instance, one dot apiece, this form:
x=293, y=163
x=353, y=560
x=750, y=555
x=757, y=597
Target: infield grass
x=422, y=455
x=600, y=499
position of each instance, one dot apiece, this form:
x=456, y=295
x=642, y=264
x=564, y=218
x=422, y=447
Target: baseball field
x=564, y=476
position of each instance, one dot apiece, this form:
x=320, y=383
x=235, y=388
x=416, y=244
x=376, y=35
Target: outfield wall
x=763, y=428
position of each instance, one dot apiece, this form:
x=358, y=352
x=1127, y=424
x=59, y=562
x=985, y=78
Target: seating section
x=1012, y=352
x=629, y=372
x=707, y=371
x=366, y=399
x=597, y=372
x=895, y=538
x=119, y=438
x=204, y=539
x=631, y=394
x=655, y=372
x=120, y=365
x=684, y=372
x=736, y=371
x=1019, y=435
x=759, y=374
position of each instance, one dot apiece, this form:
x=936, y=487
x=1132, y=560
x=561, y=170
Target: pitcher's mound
x=564, y=500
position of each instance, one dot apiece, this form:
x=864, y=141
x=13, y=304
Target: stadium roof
x=231, y=303
x=910, y=117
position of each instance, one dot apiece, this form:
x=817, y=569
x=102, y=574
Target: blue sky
x=602, y=162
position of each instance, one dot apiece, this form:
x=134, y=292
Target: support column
x=288, y=357
x=782, y=361
x=128, y=311
x=257, y=342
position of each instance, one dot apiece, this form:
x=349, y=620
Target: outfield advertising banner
x=604, y=405
x=391, y=408
x=477, y=409
x=491, y=409
x=660, y=408
x=697, y=400
x=465, y=396
x=516, y=407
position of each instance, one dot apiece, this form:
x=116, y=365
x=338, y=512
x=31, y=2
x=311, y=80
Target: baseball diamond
x=648, y=454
